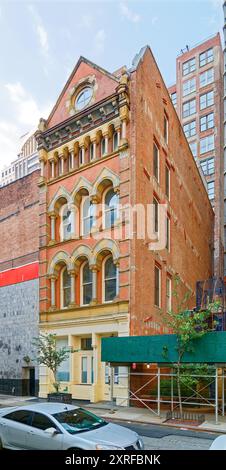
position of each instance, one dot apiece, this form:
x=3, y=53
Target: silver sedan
x=56, y=426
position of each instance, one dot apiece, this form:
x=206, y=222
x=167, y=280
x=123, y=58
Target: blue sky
x=40, y=42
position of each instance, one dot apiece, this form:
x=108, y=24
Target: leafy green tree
x=188, y=326
x=49, y=355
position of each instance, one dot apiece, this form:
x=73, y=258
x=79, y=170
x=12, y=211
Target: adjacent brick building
x=19, y=285
x=197, y=97
x=114, y=141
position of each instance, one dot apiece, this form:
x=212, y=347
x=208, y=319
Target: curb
x=186, y=427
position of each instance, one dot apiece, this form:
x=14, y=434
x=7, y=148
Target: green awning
x=162, y=349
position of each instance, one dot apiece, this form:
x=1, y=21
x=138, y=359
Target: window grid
x=206, y=122
x=189, y=86
x=207, y=144
x=210, y=187
x=189, y=66
x=206, y=57
x=189, y=108
x=190, y=129
x=206, y=100
x=206, y=77
x=208, y=166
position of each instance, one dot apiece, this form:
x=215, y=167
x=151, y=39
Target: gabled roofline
x=80, y=60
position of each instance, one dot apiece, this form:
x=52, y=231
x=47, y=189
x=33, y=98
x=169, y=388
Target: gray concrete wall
x=19, y=307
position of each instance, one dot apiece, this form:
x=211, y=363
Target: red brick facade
x=19, y=222
x=132, y=107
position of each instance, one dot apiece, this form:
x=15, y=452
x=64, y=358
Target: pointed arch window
x=66, y=223
x=65, y=288
x=115, y=141
x=86, y=284
x=87, y=216
x=110, y=280
x=111, y=201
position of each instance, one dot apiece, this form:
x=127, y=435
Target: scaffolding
x=195, y=399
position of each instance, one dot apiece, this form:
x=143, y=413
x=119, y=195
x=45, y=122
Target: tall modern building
x=27, y=161
x=197, y=97
x=114, y=143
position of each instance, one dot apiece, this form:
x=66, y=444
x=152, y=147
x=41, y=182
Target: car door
x=38, y=439
x=16, y=426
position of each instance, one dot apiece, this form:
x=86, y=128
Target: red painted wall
x=21, y=274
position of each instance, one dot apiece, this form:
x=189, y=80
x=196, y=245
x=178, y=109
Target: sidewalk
x=129, y=414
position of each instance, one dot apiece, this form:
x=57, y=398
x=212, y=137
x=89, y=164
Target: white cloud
x=129, y=14
x=26, y=108
x=43, y=39
x=26, y=113
x=9, y=138
x=40, y=30
x=99, y=40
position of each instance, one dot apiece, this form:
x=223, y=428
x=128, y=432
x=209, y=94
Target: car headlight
x=107, y=447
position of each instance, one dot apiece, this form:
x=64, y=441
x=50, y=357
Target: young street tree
x=49, y=355
x=188, y=326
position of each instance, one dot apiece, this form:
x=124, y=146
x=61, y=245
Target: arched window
x=91, y=151
x=103, y=146
x=66, y=223
x=87, y=216
x=110, y=280
x=110, y=208
x=115, y=141
x=86, y=277
x=66, y=288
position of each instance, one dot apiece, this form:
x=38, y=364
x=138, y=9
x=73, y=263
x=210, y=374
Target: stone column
x=53, y=292
x=81, y=154
x=73, y=211
x=105, y=137
x=42, y=163
x=61, y=164
x=106, y=143
x=72, y=274
x=52, y=227
x=52, y=162
x=124, y=129
x=93, y=142
x=94, y=284
x=118, y=130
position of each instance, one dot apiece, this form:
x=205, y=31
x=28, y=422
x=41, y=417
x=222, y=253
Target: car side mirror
x=51, y=431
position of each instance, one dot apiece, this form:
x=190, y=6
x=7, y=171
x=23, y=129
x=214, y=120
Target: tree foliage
x=49, y=355
x=188, y=326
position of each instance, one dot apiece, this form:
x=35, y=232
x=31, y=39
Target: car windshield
x=79, y=420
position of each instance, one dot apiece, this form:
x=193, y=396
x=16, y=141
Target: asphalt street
x=168, y=438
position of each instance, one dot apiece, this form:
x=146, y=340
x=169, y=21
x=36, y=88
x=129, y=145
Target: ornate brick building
x=114, y=141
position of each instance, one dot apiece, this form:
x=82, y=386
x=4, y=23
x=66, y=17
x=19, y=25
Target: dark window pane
x=21, y=416
x=41, y=421
x=110, y=289
x=157, y=286
x=87, y=293
x=110, y=269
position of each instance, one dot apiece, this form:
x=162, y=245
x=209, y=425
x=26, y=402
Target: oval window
x=83, y=98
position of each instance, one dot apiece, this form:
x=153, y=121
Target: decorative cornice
x=78, y=124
